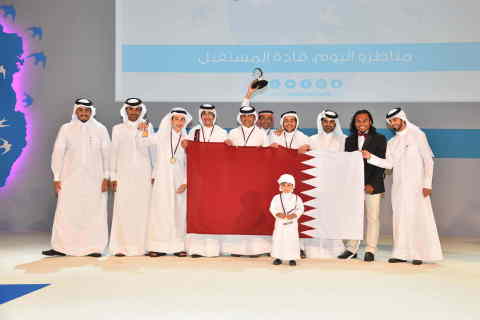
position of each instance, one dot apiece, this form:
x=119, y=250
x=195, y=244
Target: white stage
x=238, y=288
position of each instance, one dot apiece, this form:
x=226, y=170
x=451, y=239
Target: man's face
x=286, y=187
x=289, y=123
x=397, y=124
x=247, y=120
x=133, y=113
x=208, y=118
x=328, y=124
x=362, y=122
x=265, y=121
x=178, y=122
x=83, y=113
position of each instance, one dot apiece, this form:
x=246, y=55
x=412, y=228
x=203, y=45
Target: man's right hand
x=250, y=91
x=142, y=126
x=228, y=142
x=113, y=186
x=57, y=186
x=274, y=145
x=278, y=132
x=281, y=215
x=184, y=144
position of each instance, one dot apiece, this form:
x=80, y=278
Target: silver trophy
x=259, y=82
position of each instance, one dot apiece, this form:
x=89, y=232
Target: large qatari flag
x=230, y=189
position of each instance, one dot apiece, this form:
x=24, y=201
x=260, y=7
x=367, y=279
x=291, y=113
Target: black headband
x=251, y=110
x=393, y=112
x=207, y=106
x=84, y=102
x=331, y=114
x=133, y=102
x=179, y=111
x=288, y=112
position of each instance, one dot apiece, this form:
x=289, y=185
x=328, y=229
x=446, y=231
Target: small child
x=286, y=207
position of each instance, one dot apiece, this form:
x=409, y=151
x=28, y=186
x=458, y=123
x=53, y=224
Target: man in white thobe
x=167, y=224
x=329, y=137
x=199, y=245
x=247, y=135
x=80, y=161
x=415, y=236
x=130, y=173
x=289, y=136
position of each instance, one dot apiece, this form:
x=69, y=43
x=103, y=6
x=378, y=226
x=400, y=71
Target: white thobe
x=80, y=162
x=212, y=134
x=290, y=140
x=330, y=141
x=247, y=244
x=206, y=245
x=415, y=235
x=131, y=167
x=324, y=248
x=285, y=238
x=166, y=228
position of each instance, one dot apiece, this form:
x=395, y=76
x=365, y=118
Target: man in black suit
x=364, y=136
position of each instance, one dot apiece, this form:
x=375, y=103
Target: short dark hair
x=353, y=128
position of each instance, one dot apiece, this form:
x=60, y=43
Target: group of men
x=146, y=171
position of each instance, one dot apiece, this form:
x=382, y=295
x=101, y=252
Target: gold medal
x=173, y=160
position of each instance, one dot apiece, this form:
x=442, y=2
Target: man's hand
x=250, y=91
x=291, y=216
x=113, y=186
x=366, y=155
x=303, y=148
x=369, y=189
x=184, y=144
x=152, y=181
x=281, y=215
x=426, y=192
x=274, y=145
x=57, y=186
x=105, y=184
x=229, y=142
x=143, y=126
x=278, y=132
x=182, y=188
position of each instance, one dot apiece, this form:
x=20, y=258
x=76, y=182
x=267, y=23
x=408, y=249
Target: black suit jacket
x=376, y=144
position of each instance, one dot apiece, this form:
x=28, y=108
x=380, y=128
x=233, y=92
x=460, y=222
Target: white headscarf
x=289, y=114
x=84, y=103
x=166, y=124
x=400, y=114
x=207, y=108
x=247, y=110
x=288, y=178
x=327, y=113
x=133, y=103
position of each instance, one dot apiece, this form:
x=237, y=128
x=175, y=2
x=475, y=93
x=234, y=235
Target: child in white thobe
x=286, y=207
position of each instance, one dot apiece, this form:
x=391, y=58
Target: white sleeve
x=58, y=154
x=114, y=154
x=300, y=207
x=245, y=102
x=426, y=154
x=152, y=149
x=266, y=140
x=274, y=207
x=382, y=163
x=105, y=153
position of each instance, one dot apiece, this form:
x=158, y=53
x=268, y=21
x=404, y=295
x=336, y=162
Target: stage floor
x=238, y=288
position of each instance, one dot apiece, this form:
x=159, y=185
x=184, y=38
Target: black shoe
x=94, y=255
x=395, y=260
x=119, y=255
x=369, y=257
x=347, y=255
x=235, y=255
x=417, y=262
x=181, y=254
x=52, y=253
x=277, y=262
x=196, y=255
x=255, y=255
x=292, y=263
x=155, y=254
x=302, y=254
